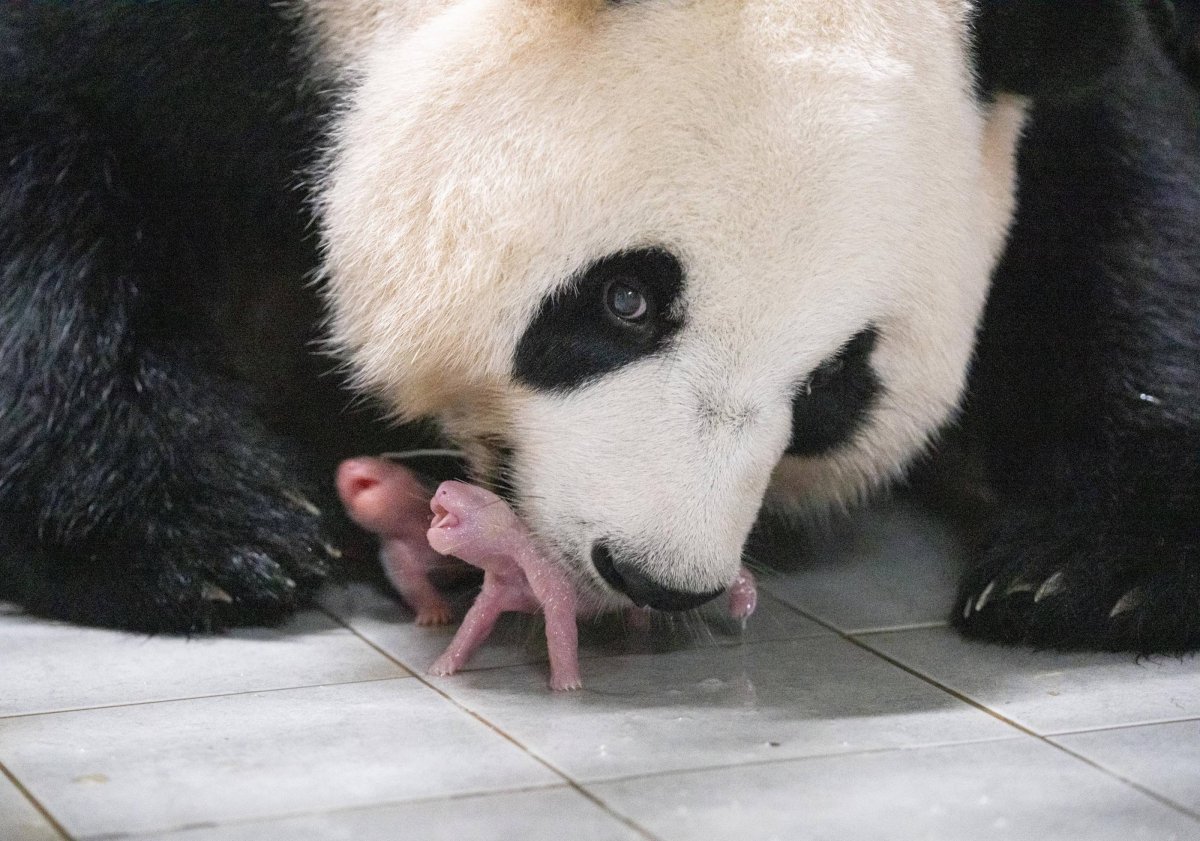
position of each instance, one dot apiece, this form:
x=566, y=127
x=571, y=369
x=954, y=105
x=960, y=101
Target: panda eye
x=625, y=299
x=622, y=308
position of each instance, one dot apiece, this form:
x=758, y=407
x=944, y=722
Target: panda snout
x=627, y=577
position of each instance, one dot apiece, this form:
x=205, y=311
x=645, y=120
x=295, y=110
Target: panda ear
x=1046, y=47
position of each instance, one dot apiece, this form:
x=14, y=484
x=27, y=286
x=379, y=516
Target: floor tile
x=559, y=814
x=891, y=566
x=719, y=706
x=1165, y=758
x=520, y=639
x=164, y=766
x=617, y=634
x=1051, y=692
x=48, y=666
x=19, y=821
x=389, y=624
x=1014, y=790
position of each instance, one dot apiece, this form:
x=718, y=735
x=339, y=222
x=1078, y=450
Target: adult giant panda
x=647, y=263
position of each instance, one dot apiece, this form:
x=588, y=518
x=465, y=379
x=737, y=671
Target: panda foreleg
x=1086, y=382
x=1085, y=392
x=1108, y=558
x=1092, y=441
x=136, y=490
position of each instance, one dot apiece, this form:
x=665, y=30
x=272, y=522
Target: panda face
x=641, y=259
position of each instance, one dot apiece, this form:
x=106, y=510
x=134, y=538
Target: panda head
x=642, y=258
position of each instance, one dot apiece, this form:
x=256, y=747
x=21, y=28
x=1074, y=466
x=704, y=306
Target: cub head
x=642, y=258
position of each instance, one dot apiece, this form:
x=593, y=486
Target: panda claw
x=968, y=608
x=985, y=596
x=302, y=502
x=1019, y=586
x=1128, y=602
x=212, y=593
x=1050, y=587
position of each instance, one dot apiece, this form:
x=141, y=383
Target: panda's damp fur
x=819, y=173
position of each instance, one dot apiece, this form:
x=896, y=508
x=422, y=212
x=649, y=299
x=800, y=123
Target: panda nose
x=643, y=590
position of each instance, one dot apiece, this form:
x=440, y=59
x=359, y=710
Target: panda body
x=1084, y=398
x=799, y=206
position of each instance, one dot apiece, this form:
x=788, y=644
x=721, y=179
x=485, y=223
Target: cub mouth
x=442, y=517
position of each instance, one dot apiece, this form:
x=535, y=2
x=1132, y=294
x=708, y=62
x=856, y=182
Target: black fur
x=836, y=400
x=574, y=339
x=1086, y=392
x=161, y=421
x=1039, y=47
x=150, y=232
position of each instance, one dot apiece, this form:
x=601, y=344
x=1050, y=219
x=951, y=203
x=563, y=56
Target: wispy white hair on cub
x=812, y=172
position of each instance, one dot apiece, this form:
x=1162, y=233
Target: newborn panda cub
x=473, y=524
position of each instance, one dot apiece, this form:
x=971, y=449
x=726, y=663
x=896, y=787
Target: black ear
x=1045, y=47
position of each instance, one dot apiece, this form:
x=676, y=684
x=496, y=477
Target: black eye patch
x=833, y=404
x=577, y=337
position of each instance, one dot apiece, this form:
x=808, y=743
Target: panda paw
x=251, y=558
x=1038, y=585
x=256, y=571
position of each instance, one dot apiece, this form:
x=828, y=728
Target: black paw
x=254, y=568
x=209, y=562
x=1083, y=585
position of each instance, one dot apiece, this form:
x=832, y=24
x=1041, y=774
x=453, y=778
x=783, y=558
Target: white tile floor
x=845, y=711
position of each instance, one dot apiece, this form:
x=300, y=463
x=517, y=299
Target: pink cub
x=477, y=526
x=388, y=500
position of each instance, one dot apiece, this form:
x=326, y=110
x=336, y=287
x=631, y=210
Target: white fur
x=817, y=165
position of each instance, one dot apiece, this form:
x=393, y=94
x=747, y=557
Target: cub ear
x=1044, y=47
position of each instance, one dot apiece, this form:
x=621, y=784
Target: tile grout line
x=1160, y=798
x=896, y=629
x=854, y=639
x=581, y=788
x=966, y=699
x=1083, y=731
x=848, y=636
x=18, y=716
x=573, y=784
x=711, y=641
x=851, y=637
x=5, y=773
x=816, y=757
x=267, y=820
